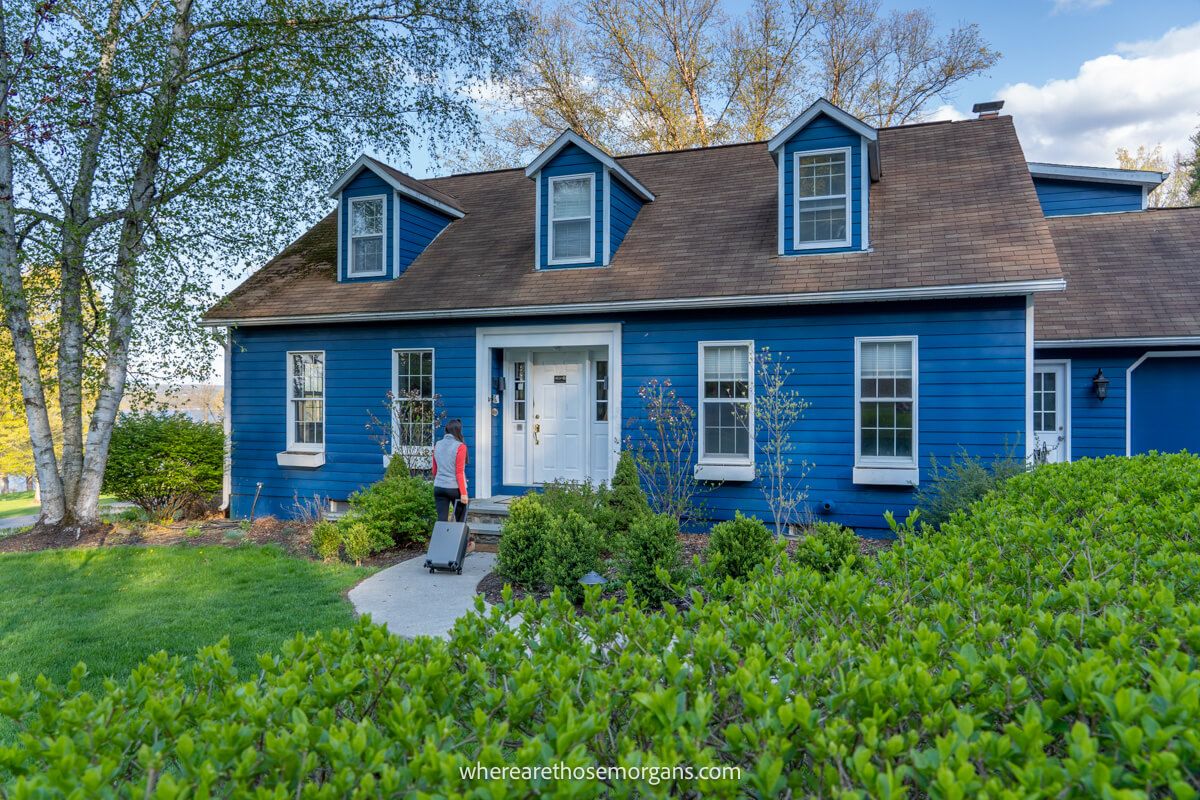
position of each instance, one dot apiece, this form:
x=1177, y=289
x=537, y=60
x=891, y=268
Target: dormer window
x=572, y=219
x=367, y=216
x=822, y=199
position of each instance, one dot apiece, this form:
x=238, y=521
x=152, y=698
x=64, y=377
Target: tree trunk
x=86, y=508
x=16, y=308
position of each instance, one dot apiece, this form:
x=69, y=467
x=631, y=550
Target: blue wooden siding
x=1164, y=405
x=366, y=184
x=972, y=392
x=1062, y=197
x=419, y=225
x=625, y=207
x=821, y=134
x=571, y=160
x=1097, y=426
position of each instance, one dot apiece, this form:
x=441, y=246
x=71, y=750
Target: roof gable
x=403, y=183
x=569, y=137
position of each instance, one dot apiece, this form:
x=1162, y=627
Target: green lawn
x=17, y=504
x=112, y=607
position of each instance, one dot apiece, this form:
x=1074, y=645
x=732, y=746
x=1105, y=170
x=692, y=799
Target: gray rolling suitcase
x=447, y=547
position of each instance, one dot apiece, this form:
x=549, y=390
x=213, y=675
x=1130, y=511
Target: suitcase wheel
x=460, y=570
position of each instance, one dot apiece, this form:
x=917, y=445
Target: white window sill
x=887, y=476
x=724, y=472
x=424, y=460
x=291, y=458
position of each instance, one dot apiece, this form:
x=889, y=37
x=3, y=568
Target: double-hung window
x=367, y=216
x=726, y=410
x=306, y=402
x=572, y=219
x=822, y=199
x=886, y=417
x=413, y=406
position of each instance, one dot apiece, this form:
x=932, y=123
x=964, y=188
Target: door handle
x=537, y=428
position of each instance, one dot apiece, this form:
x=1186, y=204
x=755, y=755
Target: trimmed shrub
x=586, y=499
x=571, y=551
x=736, y=547
x=358, y=541
x=826, y=546
x=327, y=540
x=1042, y=644
x=395, y=511
x=650, y=544
x=626, y=500
x=165, y=464
x=960, y=482
x=522, y=542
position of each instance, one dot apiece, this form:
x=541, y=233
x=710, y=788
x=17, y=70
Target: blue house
x=931, y=291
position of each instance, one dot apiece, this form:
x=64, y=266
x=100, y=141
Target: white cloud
x=1065, y=6
x=946, y=113
x=1145, y=93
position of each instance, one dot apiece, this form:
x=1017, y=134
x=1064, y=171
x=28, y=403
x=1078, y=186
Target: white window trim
x=350, y=237
x=550, y=220
x=300, y=454
x=822, y=245
x=886, y=470
x=724, y=468
x=420, y=459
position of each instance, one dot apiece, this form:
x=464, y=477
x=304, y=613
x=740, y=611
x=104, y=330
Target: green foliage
x=395, y=511
x=736, y=547
x=358, y=541
x=327, y=540
x=397, y=468
x=826, y=546
x=165, y=464
x=587, y=500
x=649, y=546
x=571, y=551
x=1042, y=644
x=961, y=481
x=522, y=542
x=626, y=499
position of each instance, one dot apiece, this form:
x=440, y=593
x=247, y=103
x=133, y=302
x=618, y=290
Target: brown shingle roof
x=423, y=187
x=1128, y=275
x=955, y=206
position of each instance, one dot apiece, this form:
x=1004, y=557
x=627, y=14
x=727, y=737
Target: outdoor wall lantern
x=1100, y=384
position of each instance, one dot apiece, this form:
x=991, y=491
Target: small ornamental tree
x=664, y=450
x=778, y=409
x=626, y=499
x=165, y=464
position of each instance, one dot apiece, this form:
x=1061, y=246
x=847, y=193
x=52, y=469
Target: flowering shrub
x=1043, y=644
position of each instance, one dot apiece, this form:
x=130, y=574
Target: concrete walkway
x=412, y=602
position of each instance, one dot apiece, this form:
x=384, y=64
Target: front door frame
x=532, y=337
x=1064, y=398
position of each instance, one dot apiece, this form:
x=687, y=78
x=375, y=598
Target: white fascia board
x=366, y=162
x=1135, y=177
x=827, y=108
x=1129, y=341
x=570, y=137
x=735, y=301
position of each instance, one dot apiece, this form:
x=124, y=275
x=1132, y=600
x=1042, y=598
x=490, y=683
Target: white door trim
x=1064, y=393
x=578, y=336
x=1129, y=387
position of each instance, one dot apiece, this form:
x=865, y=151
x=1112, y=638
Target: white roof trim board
x=1134, y=177
x=999, y=289
x=570, y=137
x=366, y=162
x=827, y=108
x=1129, y=341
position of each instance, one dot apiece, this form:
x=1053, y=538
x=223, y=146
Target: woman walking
x=450, y=474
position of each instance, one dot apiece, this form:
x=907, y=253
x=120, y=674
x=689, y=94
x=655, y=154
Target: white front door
x=558, y=422
x=1050, y=412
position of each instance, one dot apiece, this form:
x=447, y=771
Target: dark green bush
x=522, y=542
x=962, y=480
x=736, y=547
x=1043, y=644
x=165, y=464
x=626, y=500
x=395, y=511
x=571, y=551
x=826, y=546
x=585, y=499
x=651, y=544
x=327, y=540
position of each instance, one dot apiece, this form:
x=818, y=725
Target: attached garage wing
x=1164, y=403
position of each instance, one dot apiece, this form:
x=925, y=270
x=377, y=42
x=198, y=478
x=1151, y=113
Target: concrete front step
x=485, y=516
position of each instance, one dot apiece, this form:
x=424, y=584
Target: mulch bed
x=693, y=544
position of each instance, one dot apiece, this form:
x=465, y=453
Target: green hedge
x=1043, y=644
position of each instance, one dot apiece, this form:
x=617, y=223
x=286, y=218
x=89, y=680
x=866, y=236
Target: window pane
x=822, y=221
x=726, y=431
x=366, y=217
x=308, y=398
x=413, y=414
x=823, y=175
x=368, y=255
x=886, y=408
x=572, y=239
x=571, y=198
